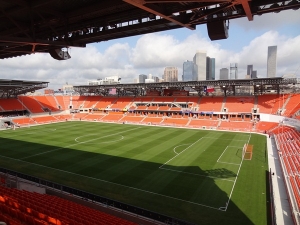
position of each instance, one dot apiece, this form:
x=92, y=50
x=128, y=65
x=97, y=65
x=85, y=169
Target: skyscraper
x=224, y=74
x=142, y=78
x=171, y=74
x=272, y=61
x=233, y=71
x=249, y=70
x=254, y=74
x=200, y=66
x=210, y=68
x=188, y=67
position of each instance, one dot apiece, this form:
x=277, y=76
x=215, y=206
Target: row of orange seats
x=52, y=209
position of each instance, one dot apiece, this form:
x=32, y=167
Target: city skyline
x=128, y=57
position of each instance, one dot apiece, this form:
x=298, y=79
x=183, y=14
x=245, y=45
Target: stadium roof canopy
x=259, y=86
x=37, y=26
x=13, y=88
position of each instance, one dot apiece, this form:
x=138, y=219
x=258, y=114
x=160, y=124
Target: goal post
x=247, y=152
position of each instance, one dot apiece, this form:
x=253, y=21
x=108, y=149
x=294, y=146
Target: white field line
x=222, y=154
x=121, y=185
x=77, y=143
x=218, y=161
x=178, y=171
x=174, y=149
x=227, y=203
x=180, y=152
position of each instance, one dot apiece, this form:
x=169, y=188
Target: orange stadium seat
x=122, y=103
x=237, y=126
x=133, y=119
x=47, y=102
x=33, y=105
x=11, y=104
x=211, y=104
x=203, y=123
x=153, y=120
x=239, y=104
x=23, y=207
x=63, y=101
x=77, y=101
x=175, y=121
x=91, y=101
x=105, y=102
x=265, y=126
x=293, y=105
x=112, y=117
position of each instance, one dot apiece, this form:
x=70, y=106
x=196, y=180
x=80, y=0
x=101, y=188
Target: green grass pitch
x=195, y=175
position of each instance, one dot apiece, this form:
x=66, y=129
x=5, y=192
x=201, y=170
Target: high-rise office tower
x=224, y=74
x=188, y=68
x=171, y=74
x=254, y=74
x=200, y=65
x=210, y=68
x=233, y=71
x=272, y=61
x=142, y=78
x=249, y=70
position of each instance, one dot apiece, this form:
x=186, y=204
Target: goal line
x=247, y=152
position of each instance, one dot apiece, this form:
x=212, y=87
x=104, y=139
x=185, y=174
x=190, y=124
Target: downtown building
x=201, y=68
x=233, y=71
x=224, y=74
x=272, y=61
x=170, y=74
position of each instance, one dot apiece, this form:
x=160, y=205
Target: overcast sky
x=148, y=54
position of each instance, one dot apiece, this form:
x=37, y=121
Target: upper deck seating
x=77, y=101
x=91, y=101
x=33, y=105
x=105, y=102
x=163, y=99
x=11, y=104
x=63, y=101
x=122, y=103
x=270, y=103
x=47, y=102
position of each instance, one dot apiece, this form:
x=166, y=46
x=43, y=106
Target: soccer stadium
x=165, y=157
x=182, y=153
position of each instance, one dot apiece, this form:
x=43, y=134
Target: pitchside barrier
x=247, y=152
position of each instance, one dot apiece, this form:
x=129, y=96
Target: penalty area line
x=180, y=153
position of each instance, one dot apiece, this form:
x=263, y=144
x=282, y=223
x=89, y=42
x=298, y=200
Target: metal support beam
x=245, y=4
x=153, y=9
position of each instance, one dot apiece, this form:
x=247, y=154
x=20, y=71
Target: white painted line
x=222, y=153
x=181, y=152
x=77, y=143
x=174, y=149
x=227, y=203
